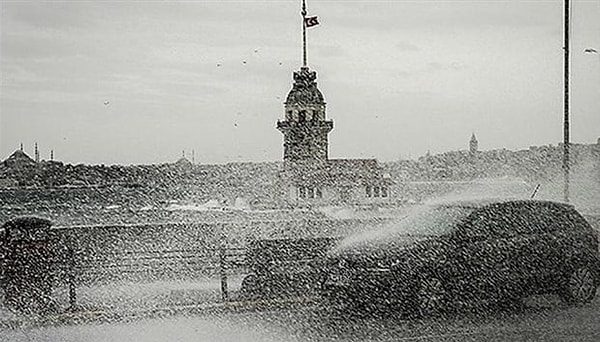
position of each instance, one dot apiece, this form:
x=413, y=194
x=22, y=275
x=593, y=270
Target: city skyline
x=137, y=83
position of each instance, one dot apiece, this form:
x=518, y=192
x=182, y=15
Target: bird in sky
x=218, y=65
x=106, y=103
x=244, y=62
x=590, y=50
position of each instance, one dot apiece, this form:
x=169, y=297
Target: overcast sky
x=399, y=77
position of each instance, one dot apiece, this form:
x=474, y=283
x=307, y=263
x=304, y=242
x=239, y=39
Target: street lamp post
x=566, y=105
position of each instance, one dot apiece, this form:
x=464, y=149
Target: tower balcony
x=287, y=125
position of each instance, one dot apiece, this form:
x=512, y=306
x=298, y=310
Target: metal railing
x=77, y=269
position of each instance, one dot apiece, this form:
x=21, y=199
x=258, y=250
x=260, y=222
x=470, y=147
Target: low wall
x=184, y=250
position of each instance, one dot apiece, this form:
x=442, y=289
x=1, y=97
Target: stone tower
x=305, y=127
x=473, y=144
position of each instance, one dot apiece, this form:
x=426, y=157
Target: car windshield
x=422, y=222
x=437, y=220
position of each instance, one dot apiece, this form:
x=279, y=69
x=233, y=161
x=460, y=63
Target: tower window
x=302, y=192
x=302, y=116
x=377, y=191
x=384, y=191
x=309, y=192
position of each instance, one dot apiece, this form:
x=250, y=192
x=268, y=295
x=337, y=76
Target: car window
x=544, y=219
x=432, y=221
x=573, y=221
x=535, y=219
x=489, y=223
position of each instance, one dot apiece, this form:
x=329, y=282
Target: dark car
x=479, y=252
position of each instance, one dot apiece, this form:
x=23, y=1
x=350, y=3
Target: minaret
x=37, y=153
x=305, y=127
x=473, y=144
x=51, y=154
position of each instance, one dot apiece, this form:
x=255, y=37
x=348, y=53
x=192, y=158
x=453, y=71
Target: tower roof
x=304, y=90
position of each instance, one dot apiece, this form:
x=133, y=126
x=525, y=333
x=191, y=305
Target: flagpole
x=304, y=33
x=566, y=142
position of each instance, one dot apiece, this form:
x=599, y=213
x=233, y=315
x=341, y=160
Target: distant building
x=596, y=154
x=18, y=160
x=17, y=166
x=8, y=182
x=184, y=163
x=473, y=144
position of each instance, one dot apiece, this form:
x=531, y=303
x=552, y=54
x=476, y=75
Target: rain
x=299, y=171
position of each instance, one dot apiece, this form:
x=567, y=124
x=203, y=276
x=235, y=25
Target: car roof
x=488, y=202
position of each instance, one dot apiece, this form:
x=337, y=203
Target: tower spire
x=304, y=62
x=473, y=144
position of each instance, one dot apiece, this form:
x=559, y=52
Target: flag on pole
x=311, y=21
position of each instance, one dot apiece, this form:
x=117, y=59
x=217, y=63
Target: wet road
x=540, y=319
